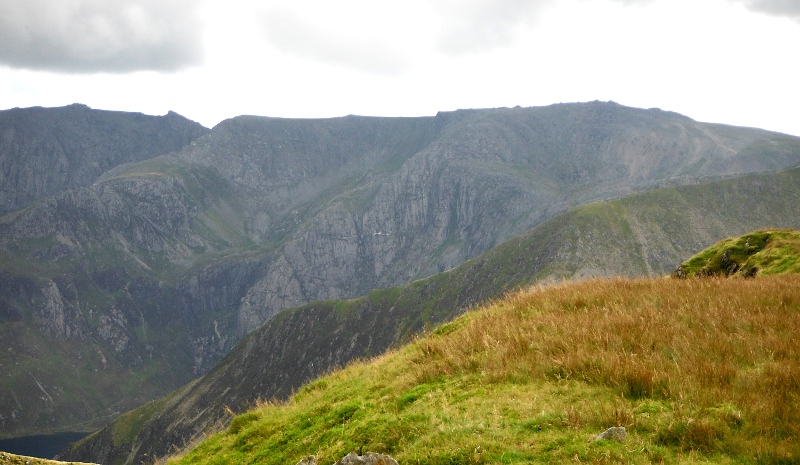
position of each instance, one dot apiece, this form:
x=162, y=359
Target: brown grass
x=725, y=354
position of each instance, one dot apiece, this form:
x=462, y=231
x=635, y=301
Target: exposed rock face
x=52, y=310
x=45, y=151
x=392, y=200
x=173, y=259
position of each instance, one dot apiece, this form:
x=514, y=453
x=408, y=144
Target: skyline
x=720, y=61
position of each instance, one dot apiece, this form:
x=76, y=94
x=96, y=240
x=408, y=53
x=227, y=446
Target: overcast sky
x=726, y=61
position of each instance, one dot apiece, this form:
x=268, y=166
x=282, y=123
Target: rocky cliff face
x=636, y=235
x=467, y=181
x=45, y=151
x=164, y=264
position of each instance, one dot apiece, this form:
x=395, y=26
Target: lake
x=44, y=446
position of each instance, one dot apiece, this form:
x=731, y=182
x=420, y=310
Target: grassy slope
x=762, y=252
x=695, y=370
x=631, y=236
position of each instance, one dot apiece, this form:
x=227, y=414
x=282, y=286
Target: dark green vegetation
x=631, y=236
x=531, y=377
x=762, y=252
x=147, y=277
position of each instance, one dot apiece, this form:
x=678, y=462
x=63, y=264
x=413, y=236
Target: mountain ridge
x=44, y=151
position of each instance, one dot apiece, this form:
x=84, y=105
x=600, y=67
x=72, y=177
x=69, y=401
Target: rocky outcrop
x=767, y=251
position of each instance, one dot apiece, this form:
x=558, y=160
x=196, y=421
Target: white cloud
x=100, y=35
x=335, y=43
x=482, y=25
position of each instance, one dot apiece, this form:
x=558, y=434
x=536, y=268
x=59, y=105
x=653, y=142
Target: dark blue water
x=44, y=446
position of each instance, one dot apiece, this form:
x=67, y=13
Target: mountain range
x=144, y=271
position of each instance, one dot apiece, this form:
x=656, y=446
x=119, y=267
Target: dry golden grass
x=728, y=347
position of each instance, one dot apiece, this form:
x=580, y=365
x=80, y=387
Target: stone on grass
x=616, y=433
x=310, y=460
x=369, y=458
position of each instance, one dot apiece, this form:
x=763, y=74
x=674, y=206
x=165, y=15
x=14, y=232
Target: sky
x=724, y=61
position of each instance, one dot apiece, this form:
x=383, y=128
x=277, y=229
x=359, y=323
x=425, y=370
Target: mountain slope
x=152, y=273
x=45, y=151
x=641, y=233
x=534, y=376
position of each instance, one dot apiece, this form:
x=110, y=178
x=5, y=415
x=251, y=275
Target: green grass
x=696, y=370
x=764, y=252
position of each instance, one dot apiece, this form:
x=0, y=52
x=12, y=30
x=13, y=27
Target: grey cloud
x=100, y=35
x=788, y=8
x=288, y=32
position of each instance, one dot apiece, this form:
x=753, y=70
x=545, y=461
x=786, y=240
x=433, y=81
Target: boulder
x=616, y=433
x=369, y=458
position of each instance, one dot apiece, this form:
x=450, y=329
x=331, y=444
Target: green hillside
x=762, y=252
x=695, y=370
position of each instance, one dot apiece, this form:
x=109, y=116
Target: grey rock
x=369, y=458
x=615, y=433
x=310, y=460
